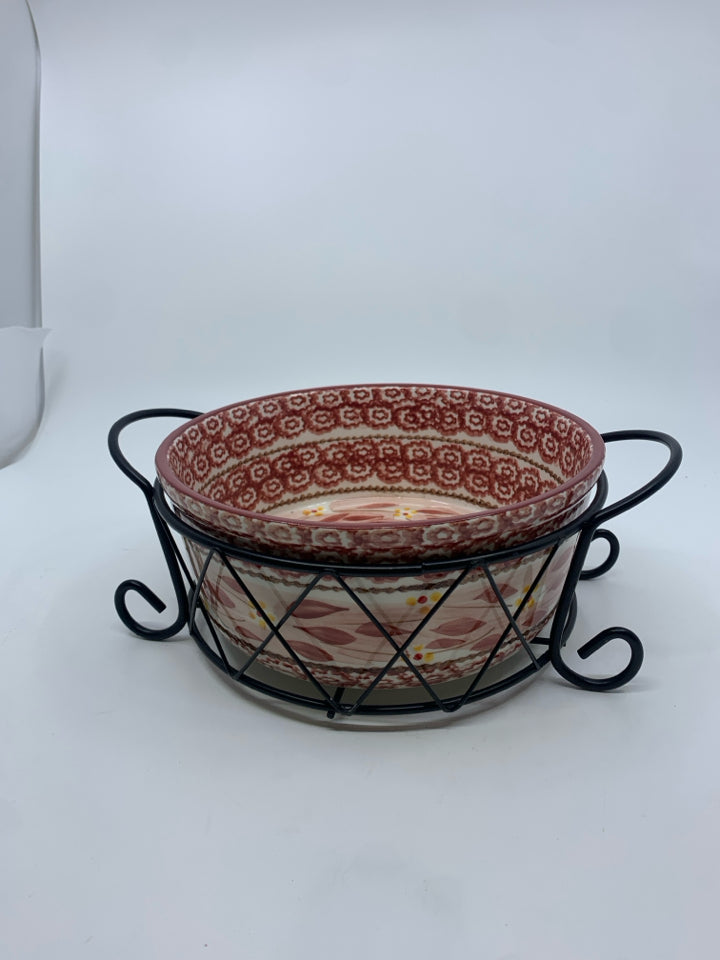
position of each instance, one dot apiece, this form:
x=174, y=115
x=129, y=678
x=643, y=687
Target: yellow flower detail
x=418, y=656
x=530, y=602
x=256, y=615
x=314, y=511
x=423, y=601
x=405, y=513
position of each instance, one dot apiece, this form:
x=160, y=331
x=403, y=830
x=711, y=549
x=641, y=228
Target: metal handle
x=652, y=486
x=642, y=493
x=174, y=561
x=114, y=441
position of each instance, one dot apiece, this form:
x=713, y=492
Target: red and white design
x=341, y=646
x=506, y=468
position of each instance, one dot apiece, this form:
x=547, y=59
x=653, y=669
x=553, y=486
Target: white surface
x=242, y=198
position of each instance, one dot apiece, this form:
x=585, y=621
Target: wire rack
x=514, y=658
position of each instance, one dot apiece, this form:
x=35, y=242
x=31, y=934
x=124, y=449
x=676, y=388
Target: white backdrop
x=241, y=198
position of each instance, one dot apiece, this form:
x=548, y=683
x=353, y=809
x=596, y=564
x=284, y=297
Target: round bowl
x=380, y=472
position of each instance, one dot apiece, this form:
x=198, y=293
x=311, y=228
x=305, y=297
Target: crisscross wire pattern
x=299, y=677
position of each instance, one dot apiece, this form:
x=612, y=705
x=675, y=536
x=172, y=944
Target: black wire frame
x=336, y=701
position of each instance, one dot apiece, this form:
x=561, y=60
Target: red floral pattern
x=519, y=465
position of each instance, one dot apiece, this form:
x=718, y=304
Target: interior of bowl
x=383, y=453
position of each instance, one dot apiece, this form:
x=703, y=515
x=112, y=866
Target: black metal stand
x=448, y=697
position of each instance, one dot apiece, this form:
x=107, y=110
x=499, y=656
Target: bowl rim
x=166, y=473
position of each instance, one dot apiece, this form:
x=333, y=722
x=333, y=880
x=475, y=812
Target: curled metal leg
x=173, y=560
x=591, y=647
x=161, y=633
x=564, y=618
x=592, y=572
x=136, y=586
x=591, y=533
